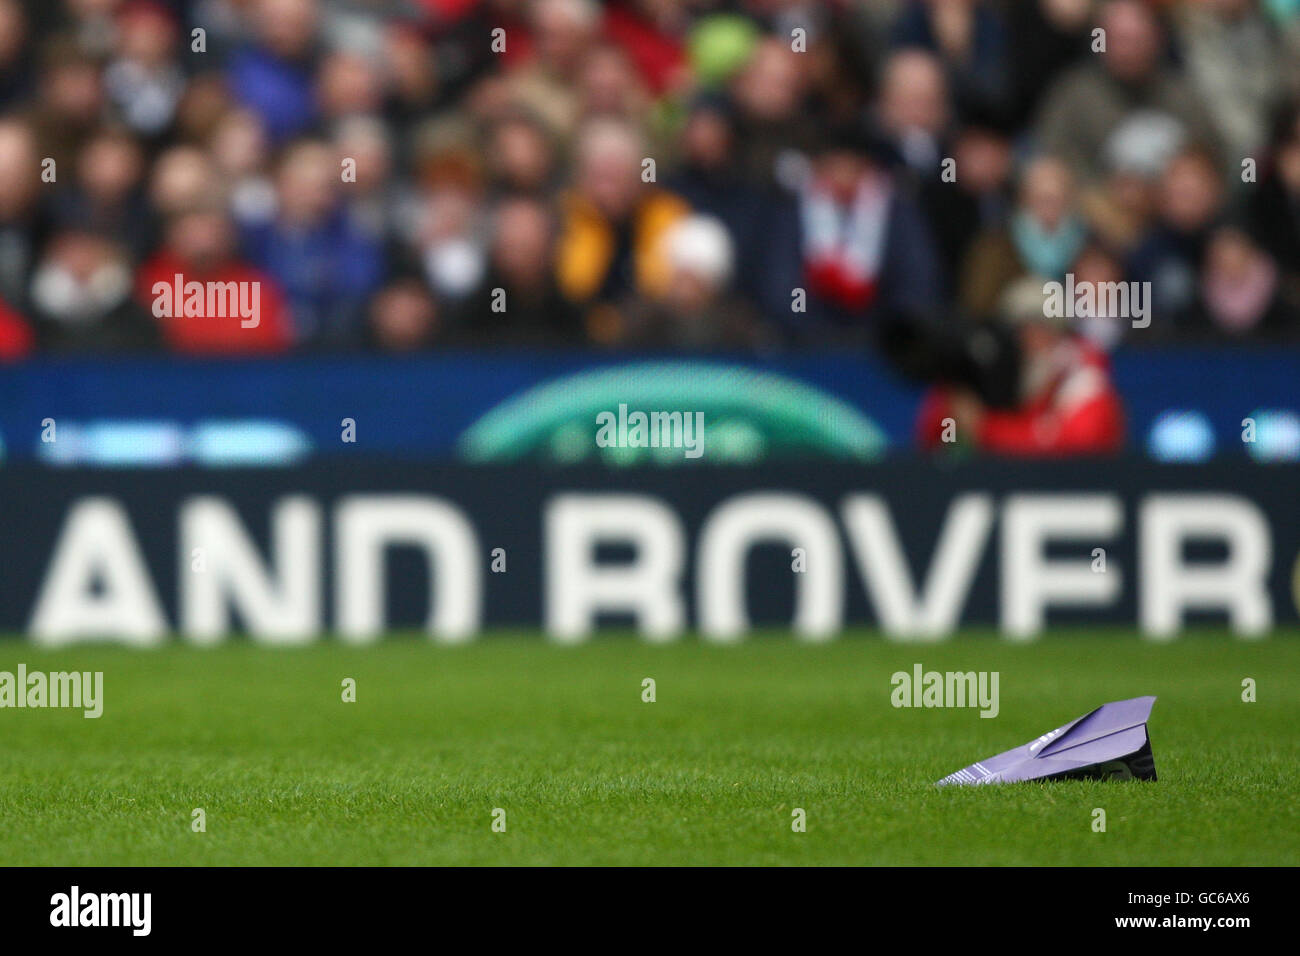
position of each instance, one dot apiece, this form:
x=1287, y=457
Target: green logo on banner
x=749, y=416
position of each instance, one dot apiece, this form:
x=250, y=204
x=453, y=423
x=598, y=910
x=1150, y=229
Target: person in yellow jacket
x=612, y=224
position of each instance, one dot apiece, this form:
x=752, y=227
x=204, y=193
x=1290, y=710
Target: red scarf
x=844, y=243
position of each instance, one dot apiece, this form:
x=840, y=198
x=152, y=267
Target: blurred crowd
x=401, y=175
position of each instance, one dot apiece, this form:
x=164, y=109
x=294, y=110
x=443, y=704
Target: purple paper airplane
x=1110, y=743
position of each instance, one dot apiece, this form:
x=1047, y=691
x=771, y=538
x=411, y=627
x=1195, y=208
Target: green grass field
x=288, y=773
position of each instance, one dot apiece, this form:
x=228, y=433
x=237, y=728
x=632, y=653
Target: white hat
x=701, y=245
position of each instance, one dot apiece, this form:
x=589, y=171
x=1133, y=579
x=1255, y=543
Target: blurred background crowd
x=402, y=175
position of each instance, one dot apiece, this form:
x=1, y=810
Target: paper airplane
x=1110, y=743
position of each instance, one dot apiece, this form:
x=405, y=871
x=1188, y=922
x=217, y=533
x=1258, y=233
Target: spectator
x=205, y=103
x=696, y=311
x=609, y=85
x=16, y=337
x=650, y=31
x=450, y=232
x=240, y=151
x=769, y=93
x=273, y=75
x=1102, y=323
x=1069, y=405
x=1189, y=201
x=143, y=81
x=1235, y=64
x=915, y=113
x=183, y=177
x=982, y=196
x=107, y=196
x=1045, y=235
x=17, y=76
x=611, y=225
x=521, y=155
x=413, y=85
x=1240, y=292
x=347, y=85
x=70, y=102
x=564, y=33
x=1274, y=207
x=380, y=203
x=403, y=317
x=199, y=246
x=24, y=216
x=81, y=294
x=1089, y=103
x=969, y=37
x=914, y=110
x=853, y=242
x=709, y=179
x=327, y=265
x=519, y=301
x=1049, y=37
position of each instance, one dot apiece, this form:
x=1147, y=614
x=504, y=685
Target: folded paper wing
x=1111, y=743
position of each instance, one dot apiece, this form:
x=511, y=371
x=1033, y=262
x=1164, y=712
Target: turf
x=586, y=772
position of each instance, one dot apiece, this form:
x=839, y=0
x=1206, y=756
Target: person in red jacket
x=16, y=337
x=1069, y=404
x=199, y=247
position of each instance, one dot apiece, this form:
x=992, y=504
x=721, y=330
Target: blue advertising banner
x=1183, y=404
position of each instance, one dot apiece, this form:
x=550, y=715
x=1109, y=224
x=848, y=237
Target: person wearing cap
x=1068, y=406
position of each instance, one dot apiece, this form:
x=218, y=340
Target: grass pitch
x=709, y=773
